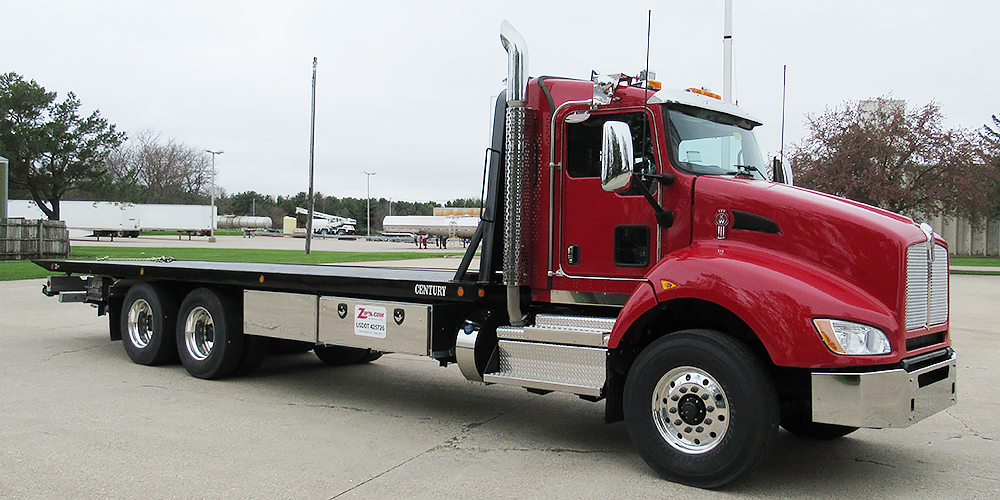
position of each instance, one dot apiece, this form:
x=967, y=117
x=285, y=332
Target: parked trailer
x=656, y=271
x=108, y=218
x=244, y=222
x=440, y=227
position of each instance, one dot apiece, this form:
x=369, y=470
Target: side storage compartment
x=375, y=324
x=290, y=316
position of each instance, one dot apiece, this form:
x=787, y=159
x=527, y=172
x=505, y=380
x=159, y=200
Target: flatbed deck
x=413, y=285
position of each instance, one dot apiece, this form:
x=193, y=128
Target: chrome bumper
x=890, y=398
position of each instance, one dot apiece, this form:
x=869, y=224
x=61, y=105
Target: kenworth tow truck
x=631, y=251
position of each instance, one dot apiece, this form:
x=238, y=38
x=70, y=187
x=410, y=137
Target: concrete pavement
x=79, y=420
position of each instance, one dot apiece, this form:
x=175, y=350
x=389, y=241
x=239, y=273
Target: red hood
x=864, y=245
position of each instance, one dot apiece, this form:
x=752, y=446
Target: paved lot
x=78, y=420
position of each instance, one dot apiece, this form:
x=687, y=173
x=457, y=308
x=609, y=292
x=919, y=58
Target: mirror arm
x=663, y=179
x=664, y=218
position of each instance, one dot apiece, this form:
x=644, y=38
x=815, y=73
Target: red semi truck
x=632, y=251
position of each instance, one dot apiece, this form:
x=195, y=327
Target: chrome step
x=570, y=330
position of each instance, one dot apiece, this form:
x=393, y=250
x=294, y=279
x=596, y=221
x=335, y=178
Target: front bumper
x=890, y=398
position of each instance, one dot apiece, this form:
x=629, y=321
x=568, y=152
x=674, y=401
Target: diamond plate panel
x=550, y=363
x=603, y=325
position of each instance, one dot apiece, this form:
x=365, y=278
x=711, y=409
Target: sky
x=405, y=89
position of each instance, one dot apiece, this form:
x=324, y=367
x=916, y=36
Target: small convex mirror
x=616, y=157
x=781, y=172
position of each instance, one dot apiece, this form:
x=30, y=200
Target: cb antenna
x=647, y=78
x=784, y=77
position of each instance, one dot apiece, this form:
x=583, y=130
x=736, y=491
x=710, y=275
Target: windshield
x=708, y=142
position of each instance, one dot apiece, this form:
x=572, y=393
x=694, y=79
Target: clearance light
x=852, y=339
x=705, y=92
x=653, y=85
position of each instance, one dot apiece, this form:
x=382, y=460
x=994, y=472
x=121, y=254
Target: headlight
x=852, y=339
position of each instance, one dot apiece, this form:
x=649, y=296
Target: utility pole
x=211, y=227
x=727, y=54
x=4, y=167
x=369, y=174
x=312, y=149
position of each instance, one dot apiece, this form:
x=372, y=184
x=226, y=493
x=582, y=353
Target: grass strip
x=20, y=270
x=974, y=261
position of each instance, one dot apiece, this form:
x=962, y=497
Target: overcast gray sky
x=405, y=88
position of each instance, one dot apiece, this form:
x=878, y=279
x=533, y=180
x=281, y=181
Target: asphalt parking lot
x=79, y=420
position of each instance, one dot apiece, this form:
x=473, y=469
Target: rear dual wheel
x=210, y=337
x=700, y=408
x=148, y=324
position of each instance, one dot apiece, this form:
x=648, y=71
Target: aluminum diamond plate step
x=570, y=330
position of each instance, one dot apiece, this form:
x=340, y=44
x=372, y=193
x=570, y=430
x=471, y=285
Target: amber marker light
x=706, y=93
x=262, y=278
x=461, y=292
x=482, y=293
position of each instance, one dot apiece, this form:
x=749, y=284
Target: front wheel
x=700, y=408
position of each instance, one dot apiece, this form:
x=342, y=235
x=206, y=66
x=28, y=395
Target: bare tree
x=150, y=169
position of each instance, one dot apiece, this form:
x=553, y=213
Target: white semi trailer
x=109, y=218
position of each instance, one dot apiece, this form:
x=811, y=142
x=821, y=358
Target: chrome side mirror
x=616, y=157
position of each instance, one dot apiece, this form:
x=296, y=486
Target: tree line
x=879, y=151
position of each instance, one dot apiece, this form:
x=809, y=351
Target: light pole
x=211, y=227
x=369, y=174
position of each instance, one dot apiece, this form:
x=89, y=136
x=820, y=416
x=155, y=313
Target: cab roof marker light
x=705, y=92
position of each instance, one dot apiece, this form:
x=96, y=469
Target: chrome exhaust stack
x=515, y=162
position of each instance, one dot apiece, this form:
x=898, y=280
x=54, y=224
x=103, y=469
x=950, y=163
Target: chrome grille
x=926, y=286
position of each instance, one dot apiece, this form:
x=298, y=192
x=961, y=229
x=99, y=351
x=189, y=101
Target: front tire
x=210, y=336
x=148, y=324
x=700, y=408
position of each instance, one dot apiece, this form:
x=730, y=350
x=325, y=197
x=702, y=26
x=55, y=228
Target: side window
x=583, y=155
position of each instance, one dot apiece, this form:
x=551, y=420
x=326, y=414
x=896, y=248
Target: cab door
x=607, y=242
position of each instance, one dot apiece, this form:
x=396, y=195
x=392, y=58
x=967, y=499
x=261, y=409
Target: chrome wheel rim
x=140, y=323
x=199, y=333
x=690, y=410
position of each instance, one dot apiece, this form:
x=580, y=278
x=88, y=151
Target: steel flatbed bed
x=413, y=285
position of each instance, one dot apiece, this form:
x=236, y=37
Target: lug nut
x=700, y=429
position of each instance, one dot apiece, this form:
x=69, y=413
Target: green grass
x=20, y=270
x=975, y=261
